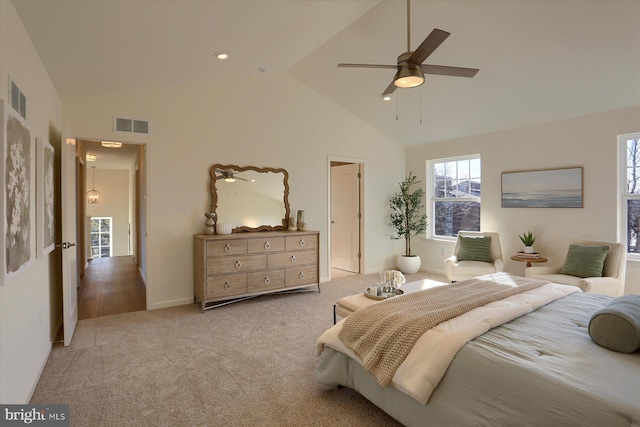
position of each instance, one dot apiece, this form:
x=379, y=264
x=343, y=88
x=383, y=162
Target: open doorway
x=346, y=216
x=111, y=228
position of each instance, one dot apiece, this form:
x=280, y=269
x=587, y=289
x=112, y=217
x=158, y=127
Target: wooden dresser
x=233, y=267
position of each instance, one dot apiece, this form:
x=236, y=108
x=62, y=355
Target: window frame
x=431, y=199
x=623, y=196
x=99, y=233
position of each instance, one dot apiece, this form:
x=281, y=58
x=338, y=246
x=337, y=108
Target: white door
x=68, y=232
x=345, y=221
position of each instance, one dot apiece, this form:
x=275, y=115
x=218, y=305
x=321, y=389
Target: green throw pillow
x=585, y=261
x=475, y=248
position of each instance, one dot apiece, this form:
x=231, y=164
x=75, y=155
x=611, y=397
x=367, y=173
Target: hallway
x=111, y=286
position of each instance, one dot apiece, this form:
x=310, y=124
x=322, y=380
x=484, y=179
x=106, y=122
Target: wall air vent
x=130, y=125
x=18, y=100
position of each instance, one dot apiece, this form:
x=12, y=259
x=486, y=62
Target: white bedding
x=429, y=359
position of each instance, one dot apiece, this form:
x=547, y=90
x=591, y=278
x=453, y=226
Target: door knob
x=65, y=245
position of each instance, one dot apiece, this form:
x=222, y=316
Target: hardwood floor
x=111, y=286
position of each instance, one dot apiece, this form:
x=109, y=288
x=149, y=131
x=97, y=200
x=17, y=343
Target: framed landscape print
x=549, y=188
x=45, y=209
x=17, y=151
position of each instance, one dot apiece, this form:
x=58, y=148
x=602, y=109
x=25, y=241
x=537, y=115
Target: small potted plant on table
x=528, y=239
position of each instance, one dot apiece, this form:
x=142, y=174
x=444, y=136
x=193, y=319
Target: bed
x=539, y=368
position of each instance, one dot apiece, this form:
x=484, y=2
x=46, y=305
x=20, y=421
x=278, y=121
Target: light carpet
x=247, y=364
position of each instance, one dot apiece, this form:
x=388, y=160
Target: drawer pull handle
x=267, y=280
x=238, y=264
x=301, y=242
x=227, y=285
x=227, y=248
x=293, y=258
x=267, y=245
x=301, y=275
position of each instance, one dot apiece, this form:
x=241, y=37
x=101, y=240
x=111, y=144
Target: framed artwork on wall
x=548, y=188
x=3, y=217
x=17, y=184
x=45, y=208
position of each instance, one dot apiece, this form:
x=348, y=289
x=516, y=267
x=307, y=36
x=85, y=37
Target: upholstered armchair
x=474, y=263
x=613, y=271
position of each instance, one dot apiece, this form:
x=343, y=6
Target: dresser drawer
x=226, y=285
x=301, y=242
x=266, y=280
x=290, y=259
x=226, y=247
x=230, y=264
x=297, y=276
x=274, y=244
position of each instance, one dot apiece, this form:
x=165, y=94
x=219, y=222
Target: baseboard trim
x=434, y=271
x=171, y=303
x=37, y=378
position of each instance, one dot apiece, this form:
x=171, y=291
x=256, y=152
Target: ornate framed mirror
x=249, y=197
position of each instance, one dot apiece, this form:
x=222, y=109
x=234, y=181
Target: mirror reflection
x=250, y=198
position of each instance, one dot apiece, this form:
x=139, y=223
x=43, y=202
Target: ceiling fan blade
x=390, y=89
x=395, y=67
x=427, y=47
x=444, y=70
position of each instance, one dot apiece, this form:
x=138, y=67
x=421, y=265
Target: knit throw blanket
x=383, y=334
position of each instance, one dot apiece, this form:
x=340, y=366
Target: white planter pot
x=528, y=250
x=409, y=264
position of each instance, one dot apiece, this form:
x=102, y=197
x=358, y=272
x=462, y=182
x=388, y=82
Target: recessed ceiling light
x=221, y=55
x=111, y=144
x=91, y=157
x=387, y=98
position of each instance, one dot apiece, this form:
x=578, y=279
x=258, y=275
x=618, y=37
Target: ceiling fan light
x=408, y=77
x=229, y=179
x=111, y=144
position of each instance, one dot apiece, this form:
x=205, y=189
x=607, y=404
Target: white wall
x=590, y=142
x=113, y=186
x=30, y=304
x=268, y=120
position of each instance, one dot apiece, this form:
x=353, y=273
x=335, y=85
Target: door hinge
x=359, y=175
x=359, y=255
x=359, y=215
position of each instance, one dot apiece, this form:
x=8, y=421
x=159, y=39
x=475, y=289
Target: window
x=630, y=193
x=454, y=195
x=100, y=237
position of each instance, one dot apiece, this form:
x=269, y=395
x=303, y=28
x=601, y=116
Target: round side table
x=528, y=260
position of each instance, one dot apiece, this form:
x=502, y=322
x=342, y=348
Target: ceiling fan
x=410, y=68
x=229, y=175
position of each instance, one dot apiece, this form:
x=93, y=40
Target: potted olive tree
x=407, y=220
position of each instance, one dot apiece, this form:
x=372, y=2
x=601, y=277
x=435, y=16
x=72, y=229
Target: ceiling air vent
x=17, y=99
x=130, y=125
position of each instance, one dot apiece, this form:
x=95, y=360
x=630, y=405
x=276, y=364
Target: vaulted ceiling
x=539, y=61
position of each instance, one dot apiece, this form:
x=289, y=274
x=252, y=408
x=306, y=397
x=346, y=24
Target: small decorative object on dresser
x=223, y=228
x=302, y=225
x=239, y=266
x=210, y=223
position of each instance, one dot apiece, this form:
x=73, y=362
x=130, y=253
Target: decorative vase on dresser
x=238, y=266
